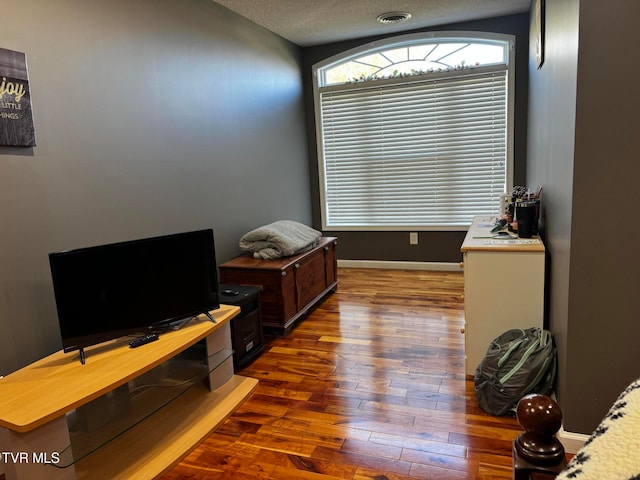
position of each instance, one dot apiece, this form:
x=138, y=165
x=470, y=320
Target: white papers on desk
x=514, y=241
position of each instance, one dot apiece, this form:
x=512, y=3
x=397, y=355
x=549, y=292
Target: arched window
x=415, y=132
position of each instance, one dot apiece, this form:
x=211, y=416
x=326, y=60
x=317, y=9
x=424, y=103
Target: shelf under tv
x=35, y=401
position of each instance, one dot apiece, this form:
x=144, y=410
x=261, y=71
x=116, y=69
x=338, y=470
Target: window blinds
x=416, y=152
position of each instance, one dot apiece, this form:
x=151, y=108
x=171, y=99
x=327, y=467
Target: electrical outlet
x=413, y=238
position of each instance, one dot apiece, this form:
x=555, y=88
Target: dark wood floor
x=371, y=385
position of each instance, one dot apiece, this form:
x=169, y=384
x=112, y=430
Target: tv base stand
x=36, y=400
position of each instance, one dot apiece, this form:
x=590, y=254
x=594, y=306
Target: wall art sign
x=16, y=119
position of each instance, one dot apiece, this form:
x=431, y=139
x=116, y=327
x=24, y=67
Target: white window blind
x=427, y=151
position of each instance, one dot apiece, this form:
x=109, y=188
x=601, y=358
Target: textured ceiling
x=315, y=22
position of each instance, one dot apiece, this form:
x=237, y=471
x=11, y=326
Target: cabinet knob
x=462, y=296
x=297, y=265
x=462, y=330
x=461, y=264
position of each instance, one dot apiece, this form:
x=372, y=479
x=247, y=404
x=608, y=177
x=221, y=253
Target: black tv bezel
x=73, y=343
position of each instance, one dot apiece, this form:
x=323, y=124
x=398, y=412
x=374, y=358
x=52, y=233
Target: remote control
x=150, y=337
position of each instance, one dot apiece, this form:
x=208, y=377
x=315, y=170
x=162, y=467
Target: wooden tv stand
x=35, y=401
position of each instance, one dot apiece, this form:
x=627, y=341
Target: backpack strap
x=510, y=351
x=521, y=362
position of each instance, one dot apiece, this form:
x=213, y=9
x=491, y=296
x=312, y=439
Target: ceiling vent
x=394, y=17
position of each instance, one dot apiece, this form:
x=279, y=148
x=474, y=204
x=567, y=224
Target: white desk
x=503, y=287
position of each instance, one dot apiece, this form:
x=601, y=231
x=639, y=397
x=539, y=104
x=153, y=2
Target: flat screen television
x=109, y=291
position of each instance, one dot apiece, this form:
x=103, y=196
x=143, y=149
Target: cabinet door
x=310, y=277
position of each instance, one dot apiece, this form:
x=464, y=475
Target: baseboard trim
x=572, y=442
x=400, y=265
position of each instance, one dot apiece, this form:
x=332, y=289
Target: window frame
x=402, y=41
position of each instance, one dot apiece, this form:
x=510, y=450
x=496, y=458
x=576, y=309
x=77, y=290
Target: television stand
x=35, y=401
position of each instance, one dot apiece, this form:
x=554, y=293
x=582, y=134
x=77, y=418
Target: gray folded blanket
x=279, y=239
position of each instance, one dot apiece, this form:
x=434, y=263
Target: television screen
x=109, y=291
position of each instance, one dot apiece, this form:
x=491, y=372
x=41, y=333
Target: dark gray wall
x=550, y=157
x=152, y=117
x=433, y=246
x=583, y=146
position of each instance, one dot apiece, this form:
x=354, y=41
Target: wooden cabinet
x=148, y=429
x=503, y=287
x=290, y=285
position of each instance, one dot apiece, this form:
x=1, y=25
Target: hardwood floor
x=370, y=386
